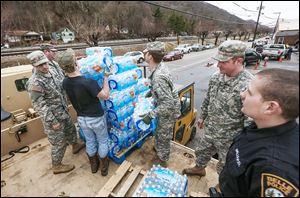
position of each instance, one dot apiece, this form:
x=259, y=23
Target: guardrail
x=27, y=50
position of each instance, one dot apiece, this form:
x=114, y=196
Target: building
x=65, y=34
x=22, y=36
x=287, y=32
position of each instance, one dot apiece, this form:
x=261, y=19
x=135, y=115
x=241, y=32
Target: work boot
x=104, y=163
x=194, y=171
x=217, y=187
x=62, y=168
x=156, y=160
x=154, y=149
x=94, y=161
x=77, y=147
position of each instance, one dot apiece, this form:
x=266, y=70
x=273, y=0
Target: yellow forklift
x=185, y=129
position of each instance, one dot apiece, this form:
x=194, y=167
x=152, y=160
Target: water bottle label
x=112, y=84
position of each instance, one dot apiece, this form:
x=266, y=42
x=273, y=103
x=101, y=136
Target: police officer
x=167, y=101
x=221, y=109
x=49, y=101
x=263, y=160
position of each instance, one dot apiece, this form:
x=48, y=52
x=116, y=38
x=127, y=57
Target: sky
x=244, y=10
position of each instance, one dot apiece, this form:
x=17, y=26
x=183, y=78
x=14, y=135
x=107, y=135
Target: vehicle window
x=185, y=103
x=277, y=46
x=20, y=84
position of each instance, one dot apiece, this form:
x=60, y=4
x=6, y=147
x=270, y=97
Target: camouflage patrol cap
x=48, y=47
x=66, y=59
x=230, y=49
x=155, y=46
x=37, y=58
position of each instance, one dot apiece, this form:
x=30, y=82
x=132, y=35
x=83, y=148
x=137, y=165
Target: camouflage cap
x=48, y=47
x=37, y=58
x=230, y=49
x=66, y=58
x=155, y=46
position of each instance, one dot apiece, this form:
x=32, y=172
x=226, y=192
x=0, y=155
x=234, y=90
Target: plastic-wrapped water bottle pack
x=126, y=84
x=162, y=182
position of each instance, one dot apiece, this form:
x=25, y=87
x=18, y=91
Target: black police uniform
x=263, y=162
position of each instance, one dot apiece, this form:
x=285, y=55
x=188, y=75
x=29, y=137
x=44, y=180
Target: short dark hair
x=282, y=85
x=157, y=55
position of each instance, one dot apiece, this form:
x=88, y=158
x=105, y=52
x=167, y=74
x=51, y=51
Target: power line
x=244, y=8
x=268, y=17
x=201, y=16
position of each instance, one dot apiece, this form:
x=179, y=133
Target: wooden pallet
x=124, y=184
x=121, y=155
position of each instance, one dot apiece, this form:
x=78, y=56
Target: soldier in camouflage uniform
x=49, y=101
x=54, y=67
x=167, y=101
x=50, y=52
x=221, y=115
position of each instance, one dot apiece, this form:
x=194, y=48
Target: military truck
x=25, y=152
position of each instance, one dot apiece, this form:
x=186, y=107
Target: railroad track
x=27, y=50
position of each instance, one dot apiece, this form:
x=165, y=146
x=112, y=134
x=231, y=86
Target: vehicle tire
x=140, y=60
x=172, y=58
x=193, y=134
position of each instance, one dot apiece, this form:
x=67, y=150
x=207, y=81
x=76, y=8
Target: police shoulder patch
x=275, y=186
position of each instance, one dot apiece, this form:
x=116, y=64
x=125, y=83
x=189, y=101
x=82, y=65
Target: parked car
x=252, y=57
x=197, y=47
x=173, y=55
x=136, y=55
x=274, y=51
x=184, y=48
x=3, y=46
x=209, y=46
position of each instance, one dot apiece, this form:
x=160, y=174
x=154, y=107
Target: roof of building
x=288, y=33
x=22, y=33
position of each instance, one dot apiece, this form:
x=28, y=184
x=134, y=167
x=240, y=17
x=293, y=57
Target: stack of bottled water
x=162, y=182
x=127, y=95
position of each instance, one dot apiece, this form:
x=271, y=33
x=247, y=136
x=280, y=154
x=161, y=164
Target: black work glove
x=146, y=118
x=149, y=94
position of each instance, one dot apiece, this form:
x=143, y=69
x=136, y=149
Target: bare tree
x=241, y=33
x=216, y=35
x=227, y=34
x=202, y=29
x=234, y=34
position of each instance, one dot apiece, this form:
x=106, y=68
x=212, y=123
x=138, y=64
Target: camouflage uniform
x=49, y=100
x=167, y=105
x=221, y=109
x=57, y=71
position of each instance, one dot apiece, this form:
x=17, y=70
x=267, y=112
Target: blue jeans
x=95, y=132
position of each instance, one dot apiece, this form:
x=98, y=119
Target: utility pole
x=276, y=24
x=257, y=24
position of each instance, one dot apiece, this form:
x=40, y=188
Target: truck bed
x=30, y=174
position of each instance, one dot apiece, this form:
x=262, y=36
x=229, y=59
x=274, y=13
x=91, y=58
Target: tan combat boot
x=94, y=161
x=104, y=164
x=62, y=168
x=156, y=160
x=77, y=147
x=194, y=171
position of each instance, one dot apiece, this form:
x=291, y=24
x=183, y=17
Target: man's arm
x=40, y=105
x=165, y=100
x=104, y=93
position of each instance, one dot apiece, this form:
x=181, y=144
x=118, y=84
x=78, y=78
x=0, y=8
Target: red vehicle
x=173, y=55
